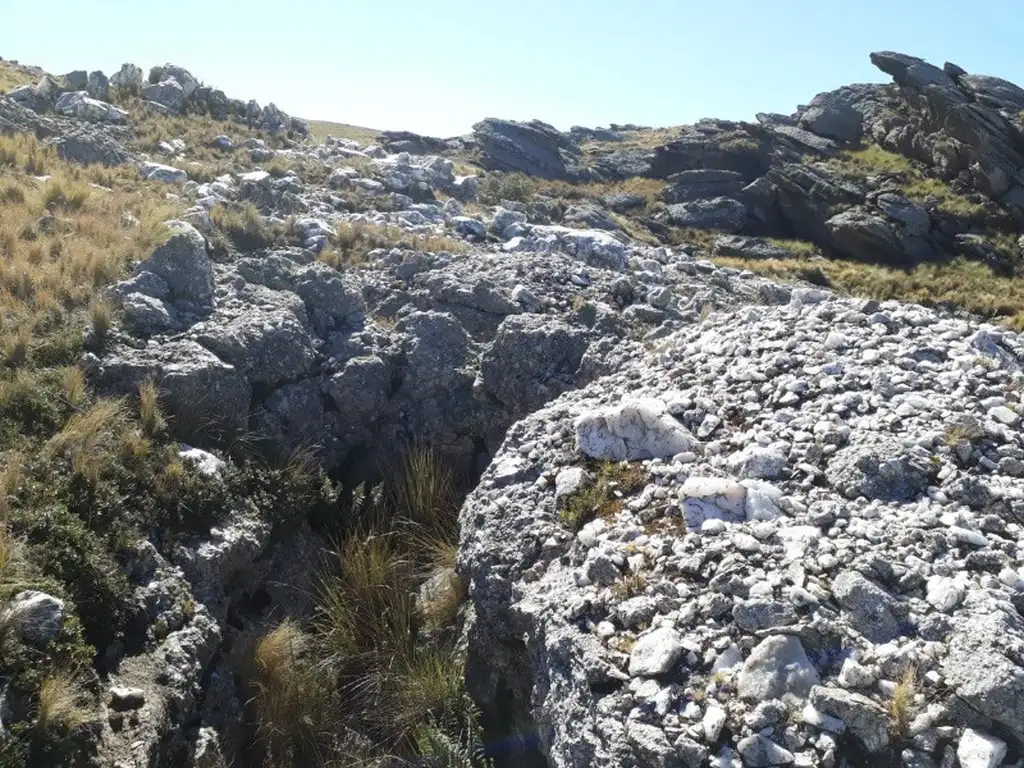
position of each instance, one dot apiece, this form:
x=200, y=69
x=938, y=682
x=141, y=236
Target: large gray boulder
x=882, y=468
x=35, y=617
x=911, y=71
x=206, y=397
x=985, y=664
x=749, y=248
x=872, y=611
x=702, y=183
x=992, y=92
x=333, y=300
x=866, y=720
x=862, y=235
x=532, y=360
x=184, y=264
x=79, y=104
x=533, y=148
x=128, y=77
x=722, y=213
x=267, y=343
x=777, y=668
x=834, y=115
x=98, y=86
x=806, y=196
x=180, y=75
x=88, y=146
x=168, y=93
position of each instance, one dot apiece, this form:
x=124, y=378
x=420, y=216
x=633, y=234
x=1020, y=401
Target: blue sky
x=437, y=66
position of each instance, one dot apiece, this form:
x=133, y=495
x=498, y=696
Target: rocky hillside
x=733, y=499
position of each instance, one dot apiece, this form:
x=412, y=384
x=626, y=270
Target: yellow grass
x=321, y=129
x=353, y=242
x=63, y=703
x=919, y=187
x=959, y=283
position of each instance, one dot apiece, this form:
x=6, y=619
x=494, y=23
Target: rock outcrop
x=719, y=520
x=811, y=527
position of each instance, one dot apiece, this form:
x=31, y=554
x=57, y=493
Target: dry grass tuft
x=602, y=497
x=958, y=283
x=629, y=586
x=246, y=227
x=63, y=703
x=353, y=242
x=73, y=382
x=87, y=438
x=873, y=159
x=901, y=705
x=151, y=418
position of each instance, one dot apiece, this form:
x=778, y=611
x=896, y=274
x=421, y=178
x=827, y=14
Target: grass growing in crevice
x=901, y=704
x=516, y=187
x=83, y=477
x=380, y=650
x=353, y=242
x=916, y=185
x=246, y=227
x=602, y=493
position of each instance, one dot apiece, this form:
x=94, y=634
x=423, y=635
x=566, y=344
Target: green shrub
x=506, y=186
x=64, y=549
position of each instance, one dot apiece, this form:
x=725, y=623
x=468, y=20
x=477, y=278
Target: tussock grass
x=293, y=703
x=12, y=76
x=321, y=129
x=353, y=242
x=497, y=186
x=367, y=606
x=150, y=417
x=74, y=386
x=398, y=666
x=45, y=274
x=799, y=248
x=87, y=438
x=648, y=189
x=874, y=158
x=246, y=227
x=602, y=496
x=901, y=705
x=631, y=585
x=63, y=703
x=917, y=185
x=956, y=433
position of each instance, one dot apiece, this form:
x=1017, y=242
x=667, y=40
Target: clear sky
x=438, y=66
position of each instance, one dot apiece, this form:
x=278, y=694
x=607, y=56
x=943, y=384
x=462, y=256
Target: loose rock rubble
x=832, y=503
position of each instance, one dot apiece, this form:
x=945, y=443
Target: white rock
x=812, y=716
x=205, y=462
x=635, y=429
x=855, y=675
x=979, y=750
x=655, y=653
x=758, y=462
x=164, y=173
x=1004, y=415
x=943, y=593
x=713, y=722
x=777, y=668
x=728, y=659
x=712, y=497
